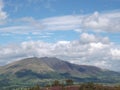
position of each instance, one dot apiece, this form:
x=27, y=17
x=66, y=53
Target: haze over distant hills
x=39, y=70
x=49, y=64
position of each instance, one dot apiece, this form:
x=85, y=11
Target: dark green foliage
x=4, y=82
x=88, y=86
x=85, y=86
x=37, y=87
x=56, y=83
x=24, y=73
x=92, y=86
x=69, y=82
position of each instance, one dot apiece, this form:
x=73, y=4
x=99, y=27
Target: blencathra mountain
x=40, y=70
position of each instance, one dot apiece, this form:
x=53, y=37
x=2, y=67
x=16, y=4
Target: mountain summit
x=37, y=70
x=49, y=64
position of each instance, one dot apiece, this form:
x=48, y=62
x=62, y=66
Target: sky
x=85, y=32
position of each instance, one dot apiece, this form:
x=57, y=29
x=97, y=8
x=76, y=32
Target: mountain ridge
x=38, y=70
x=49, y=64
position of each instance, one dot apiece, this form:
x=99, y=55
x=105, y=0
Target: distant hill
x=39, y=70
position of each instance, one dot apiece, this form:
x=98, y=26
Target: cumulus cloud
x=86, y=38
x=103, y=22
x=96, y=51
x=3, y=14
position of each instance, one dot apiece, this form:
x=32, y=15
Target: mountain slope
x=34, y=70
x=66, y=67
x=50, y=64
x=33, y=64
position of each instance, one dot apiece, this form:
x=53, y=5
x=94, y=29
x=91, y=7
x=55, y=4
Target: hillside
x=40, y=70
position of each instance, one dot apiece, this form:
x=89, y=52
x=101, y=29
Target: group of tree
x=85, y=86
x=55, y=83
x=63, y=83
x=69, y=85
x=92, y=86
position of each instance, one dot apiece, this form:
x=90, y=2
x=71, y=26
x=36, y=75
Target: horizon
x=80, y=32
x=58, y=59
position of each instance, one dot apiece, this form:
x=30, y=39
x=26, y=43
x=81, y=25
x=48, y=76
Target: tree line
x=69, y=85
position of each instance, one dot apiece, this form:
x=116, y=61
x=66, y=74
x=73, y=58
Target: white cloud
x=3, y=14
x=97, y=22
x=18, y=29
x=87, y=38
x=103, y=22
x=115, y=53
x=95, y=52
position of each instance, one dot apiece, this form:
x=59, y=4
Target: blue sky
x=42, y=9
x=49, y=8
x=79, y=31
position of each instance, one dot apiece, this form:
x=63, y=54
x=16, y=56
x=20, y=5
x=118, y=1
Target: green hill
x=34, y=70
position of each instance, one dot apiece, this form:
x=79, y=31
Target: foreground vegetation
x=69, y=85
x=86, y=86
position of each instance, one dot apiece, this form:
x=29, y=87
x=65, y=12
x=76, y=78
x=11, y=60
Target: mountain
x=39, y=70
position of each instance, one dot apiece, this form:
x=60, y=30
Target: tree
x=37, y=87
x=69, y=82
x=56, y=83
